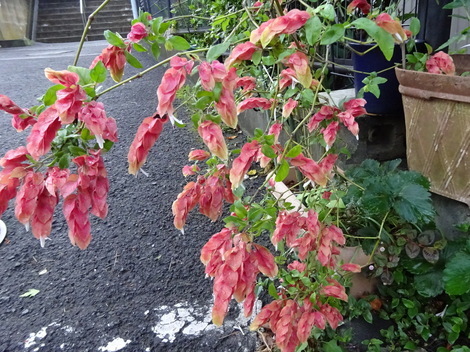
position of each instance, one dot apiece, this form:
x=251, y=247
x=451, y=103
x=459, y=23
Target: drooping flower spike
x=145, y=138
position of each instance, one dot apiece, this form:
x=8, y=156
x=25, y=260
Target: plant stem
x=86, y=29
x=140, y=74
x=379, y=237
x=186, y=16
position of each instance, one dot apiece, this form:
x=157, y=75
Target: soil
x=140, y=285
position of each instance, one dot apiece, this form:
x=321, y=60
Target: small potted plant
x=436, y=99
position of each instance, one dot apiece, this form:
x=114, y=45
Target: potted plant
x=436, y=97
x=270, y=67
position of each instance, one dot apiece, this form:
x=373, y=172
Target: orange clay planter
x=437, y=116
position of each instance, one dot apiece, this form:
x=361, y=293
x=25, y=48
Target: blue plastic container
x=389, y=101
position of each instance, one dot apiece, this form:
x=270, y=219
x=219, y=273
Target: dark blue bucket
x=389, y=101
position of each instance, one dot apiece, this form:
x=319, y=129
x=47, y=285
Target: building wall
x=14, y=17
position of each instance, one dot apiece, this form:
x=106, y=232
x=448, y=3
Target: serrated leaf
x=313, y=29
x=50, y=96
x=114, y=39
x=179, y=43
x=155, y=48
x=429, y=284
x=216, y=50
x=99, y=72
x=457, y=274
x=132, y=60
x=30, y=293
x=414, y=204
x=283, y=171
x=295, y=151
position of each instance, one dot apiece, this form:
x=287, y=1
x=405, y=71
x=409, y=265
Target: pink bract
x=145, y=138
x=211, y=134
x=137, y=33
x=441, y=63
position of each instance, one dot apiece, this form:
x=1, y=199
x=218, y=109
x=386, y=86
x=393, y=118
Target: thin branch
x=86, y=29
x=140, y=74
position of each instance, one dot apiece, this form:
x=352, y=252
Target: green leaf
x=50, y=96
x=272, y=290
x=313, y=29
x=163, y=27
x=216, y=50
x=256, y=58
x=414, y=204
x=83, y=73
x=138, y=47
x=30, y=293
x=295, y=151
x=268, y=151
x=268, y=60
x=283, y=171
x=77, y=151
x=114, y=39
x=430, y=284
x=380, y=35
x=156, y=23
x=327, y=11
x=64, y=161
x=155, y=48
x=179, y=43
x=217, y=91
x=203, y=102
x=333, y=34
x=331, y=346
x=98, y=73
x=132, y=60
x=457, y=274
x=415, y=26
x=240, y=209
x=408, y=303
x=410, y=345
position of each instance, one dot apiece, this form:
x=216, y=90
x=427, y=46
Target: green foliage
x=379, y=189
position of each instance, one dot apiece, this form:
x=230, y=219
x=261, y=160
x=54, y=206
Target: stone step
x=66, y=10
x=112, y=16
x=76, y=4
x=67, y=39
x=78, y=27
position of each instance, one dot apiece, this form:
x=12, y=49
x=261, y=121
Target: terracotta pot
x=437, y=116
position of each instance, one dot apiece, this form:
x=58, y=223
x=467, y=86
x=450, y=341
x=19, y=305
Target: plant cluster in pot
x=436, y=99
